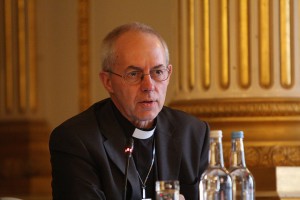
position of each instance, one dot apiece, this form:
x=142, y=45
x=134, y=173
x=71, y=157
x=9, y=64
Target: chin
x=148, y=117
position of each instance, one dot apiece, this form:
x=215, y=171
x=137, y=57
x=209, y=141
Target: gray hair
x=108, y=51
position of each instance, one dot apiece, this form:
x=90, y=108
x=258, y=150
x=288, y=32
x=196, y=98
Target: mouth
x=148, y=102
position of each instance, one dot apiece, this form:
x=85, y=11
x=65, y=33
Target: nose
x=147, y=83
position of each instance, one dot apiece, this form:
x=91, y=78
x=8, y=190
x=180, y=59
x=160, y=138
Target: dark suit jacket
x=88, y=161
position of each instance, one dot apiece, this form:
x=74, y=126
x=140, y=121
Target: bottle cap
x=237, y=134
x=215, y=133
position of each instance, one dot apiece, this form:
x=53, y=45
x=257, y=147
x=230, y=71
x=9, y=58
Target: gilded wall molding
x=182, y=47
x=206, y=46
x=84, y=56
x=271, y=126
x=285, y=44
x=19, y=70
x=265, y=67
x=224, y=44
x=219, y=108
x=33, y=99
x=23, y=81
x=243, y=44
x=262, y=155
x=191, y=22
x=9, y=84
x=240, y=46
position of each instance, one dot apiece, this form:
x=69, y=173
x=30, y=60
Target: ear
x=170, y=67
x=106, y=81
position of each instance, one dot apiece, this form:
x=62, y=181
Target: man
x=87, y=151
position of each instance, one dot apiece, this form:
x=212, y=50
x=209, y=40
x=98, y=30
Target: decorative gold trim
x=183, y=47
x=224, y=108
x=264, y=44
x=224, y=65
x=32, y=57
x=293, y=40
x=191, y=14
x=9, y=95
x=285, y=44
x=84, y=58
x=264, y=155
x=22, y=55
x=180, y=43
x=206, y=48
x=244, y=44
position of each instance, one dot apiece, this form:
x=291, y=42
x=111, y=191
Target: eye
x=158, y=72
x=132, y=74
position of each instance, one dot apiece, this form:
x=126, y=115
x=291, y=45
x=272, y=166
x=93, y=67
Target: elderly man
x=87, y=151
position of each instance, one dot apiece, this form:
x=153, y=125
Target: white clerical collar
x=141, y=134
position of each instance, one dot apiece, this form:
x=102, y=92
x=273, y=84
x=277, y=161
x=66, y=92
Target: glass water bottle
x=215, y=183
x=243, y=183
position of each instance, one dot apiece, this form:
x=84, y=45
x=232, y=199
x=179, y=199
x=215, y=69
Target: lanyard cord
x=151, y=166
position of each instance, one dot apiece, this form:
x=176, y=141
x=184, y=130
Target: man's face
x=140, y=103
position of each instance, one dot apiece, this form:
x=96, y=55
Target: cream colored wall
x=57, y=59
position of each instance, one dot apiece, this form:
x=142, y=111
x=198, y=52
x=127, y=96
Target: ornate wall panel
x=84, y=54
x=18, y=66
x=243, y=44
x=247, y=74
x=265, y=69
x=24, y=154
x=238, y=49
x=223, y=63
x=286, y=67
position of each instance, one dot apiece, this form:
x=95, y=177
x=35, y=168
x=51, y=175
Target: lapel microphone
x=128, y=152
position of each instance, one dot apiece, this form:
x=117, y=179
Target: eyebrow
x=158, y=66
x=140, y=68
x=134, y=67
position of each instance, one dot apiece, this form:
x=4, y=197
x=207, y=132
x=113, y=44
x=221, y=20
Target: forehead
x=134, y=36
x=140, y=49
x=135, y=44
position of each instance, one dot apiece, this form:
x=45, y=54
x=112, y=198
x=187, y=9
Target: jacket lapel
x=168, y=154
x=115, y=145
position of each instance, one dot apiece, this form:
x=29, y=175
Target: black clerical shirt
x=142, y=154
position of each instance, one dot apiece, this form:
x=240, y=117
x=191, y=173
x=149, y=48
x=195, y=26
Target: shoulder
x=182, y=122
x=80, y=124
x=180, y=117
x=188, y=130
x=88, y=116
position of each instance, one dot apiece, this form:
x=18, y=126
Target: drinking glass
x=167, y=190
